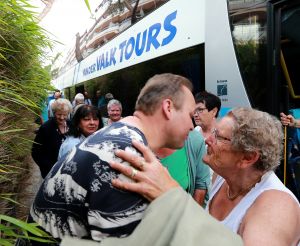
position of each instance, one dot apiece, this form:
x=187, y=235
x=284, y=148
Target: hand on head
x=287, y=120
x=151, y=178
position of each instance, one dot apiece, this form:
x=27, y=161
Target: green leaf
x=5, y=242
x=88, y=5
x=10, y=131
x=11, y=200
x=21, y=224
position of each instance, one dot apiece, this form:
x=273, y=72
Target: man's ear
x=215, y=110
x=167, y=107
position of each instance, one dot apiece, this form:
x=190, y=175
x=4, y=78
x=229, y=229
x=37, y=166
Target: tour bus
x=245, y=51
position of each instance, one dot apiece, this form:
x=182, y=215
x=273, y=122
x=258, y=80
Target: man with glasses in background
x=207, y=110
x=205, y=115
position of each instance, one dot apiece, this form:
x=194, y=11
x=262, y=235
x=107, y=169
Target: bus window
x=125, y=84
x=290, y=48
x=249, y=30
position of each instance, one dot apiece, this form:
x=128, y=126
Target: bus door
x=284, y=76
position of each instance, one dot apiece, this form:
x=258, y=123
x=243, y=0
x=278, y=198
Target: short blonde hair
x=61, y=104
x=160, y=87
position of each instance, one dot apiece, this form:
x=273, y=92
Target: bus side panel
x=222, y=75
x=174, y=26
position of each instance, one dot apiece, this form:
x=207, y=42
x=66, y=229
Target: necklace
x=241, y=192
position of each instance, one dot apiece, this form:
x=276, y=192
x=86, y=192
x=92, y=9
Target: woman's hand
x=151, y=178
x=287, y=120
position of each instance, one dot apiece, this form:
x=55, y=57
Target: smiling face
x=220, y=155
x=88, y=125
x=61, y=117
x=114, y=112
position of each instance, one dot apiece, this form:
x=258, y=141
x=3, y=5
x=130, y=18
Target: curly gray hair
x=255, y=130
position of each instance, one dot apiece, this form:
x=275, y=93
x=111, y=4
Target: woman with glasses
x=247, y=197
x=50, y=136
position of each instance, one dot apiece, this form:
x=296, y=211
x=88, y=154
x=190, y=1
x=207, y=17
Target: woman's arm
x=273, y=219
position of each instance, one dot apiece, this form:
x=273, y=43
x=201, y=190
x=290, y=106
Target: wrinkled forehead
x=226, y=124
x=114, y=107
x=61, y=112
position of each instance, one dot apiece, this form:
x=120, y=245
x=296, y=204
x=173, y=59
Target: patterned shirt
x=77, y=197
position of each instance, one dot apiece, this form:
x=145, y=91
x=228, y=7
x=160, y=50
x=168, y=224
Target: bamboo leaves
x=23, y=88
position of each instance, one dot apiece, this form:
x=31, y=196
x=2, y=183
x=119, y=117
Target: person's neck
x=164, y=152
x=63, y=128
x=242, y=182
x=207, y=129
x=110, y=121
x=148, y=126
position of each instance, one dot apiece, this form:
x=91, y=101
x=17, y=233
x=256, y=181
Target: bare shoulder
x=273, y=219
x=272, y=196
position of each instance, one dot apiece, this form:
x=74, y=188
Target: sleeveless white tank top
x=269, y=181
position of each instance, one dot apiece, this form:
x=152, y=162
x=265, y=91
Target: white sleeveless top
x=269, y=181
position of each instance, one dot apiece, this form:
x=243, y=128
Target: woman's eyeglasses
x=217, y=137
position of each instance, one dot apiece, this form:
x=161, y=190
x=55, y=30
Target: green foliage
x=23, y=88
x=15, y=225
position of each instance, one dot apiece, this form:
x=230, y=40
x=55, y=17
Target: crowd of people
x=68, y=125
x=170, y=174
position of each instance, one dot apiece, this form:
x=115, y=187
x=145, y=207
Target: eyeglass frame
x=217, y=137
x=199, y=110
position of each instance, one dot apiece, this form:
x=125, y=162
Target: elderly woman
x=85, y=121
x=78, y=101
x=114, y=110
x=51, y=135
x=246, y=195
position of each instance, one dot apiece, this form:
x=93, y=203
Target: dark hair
x=210, y=100
x=83, y=111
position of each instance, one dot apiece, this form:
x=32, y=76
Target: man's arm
x=199, y=196
x=202, y=180
x=273, y=219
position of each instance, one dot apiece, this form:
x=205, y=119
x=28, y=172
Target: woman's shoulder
x=47, y=126
x=273, y=201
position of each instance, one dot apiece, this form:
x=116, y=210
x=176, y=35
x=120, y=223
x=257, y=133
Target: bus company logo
x=222, y=90
x=152, y=38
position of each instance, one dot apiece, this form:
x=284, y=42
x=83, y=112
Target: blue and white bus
x=245, y=51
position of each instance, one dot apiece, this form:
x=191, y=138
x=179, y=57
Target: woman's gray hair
x=258, y=131
x=61, y=104
x=79, y=98
x=114, y=102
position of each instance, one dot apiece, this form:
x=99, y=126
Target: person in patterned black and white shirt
x=77, y=197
